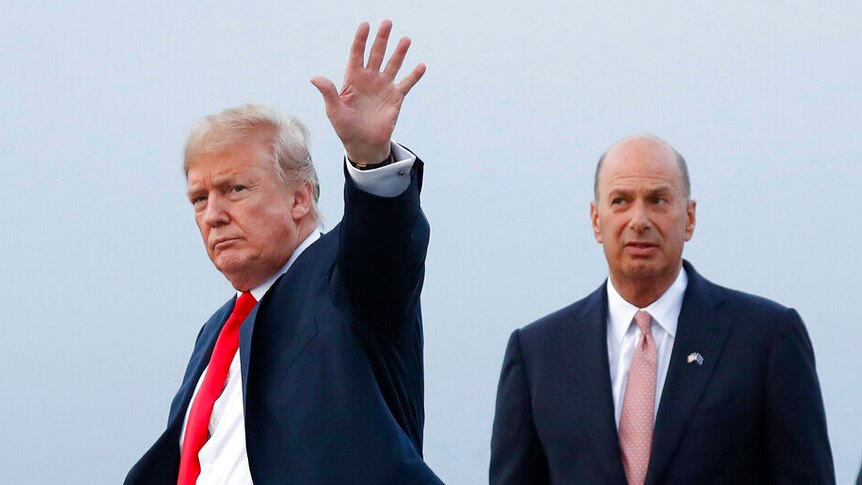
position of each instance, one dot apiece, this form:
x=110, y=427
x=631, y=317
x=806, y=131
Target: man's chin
x=648, y=269
x=231, y=267
x=240, y=281
x=642, y=269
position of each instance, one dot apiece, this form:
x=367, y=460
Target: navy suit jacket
x=751, y=413
x=332, y=368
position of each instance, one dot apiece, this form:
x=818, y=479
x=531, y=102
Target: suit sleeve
x=382, y=248
x=798, y=442
x=517, y=456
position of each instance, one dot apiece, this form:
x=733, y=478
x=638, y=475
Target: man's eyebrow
x=649, y=188
x=620, y=190
x=661, y=189
x=194, y=189
x=222, y=180
x=218, y=181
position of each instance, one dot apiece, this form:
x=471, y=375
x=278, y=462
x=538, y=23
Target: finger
x=328, y=91
x=408, y=82
x=394, y=64
x=357, y=49
x=378, y=49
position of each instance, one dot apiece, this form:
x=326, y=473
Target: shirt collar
x=664, y=311
x=261, y=290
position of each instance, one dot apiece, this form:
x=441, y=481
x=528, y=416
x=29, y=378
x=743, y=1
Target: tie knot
x=644, y=321
x=244, y=303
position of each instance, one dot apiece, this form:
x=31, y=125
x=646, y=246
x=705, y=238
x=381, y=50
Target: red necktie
x=636, y=421
x=197, y=427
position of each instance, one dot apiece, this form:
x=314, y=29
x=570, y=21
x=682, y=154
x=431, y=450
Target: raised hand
x=366, y=109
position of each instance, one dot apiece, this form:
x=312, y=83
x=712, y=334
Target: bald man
x=659, y=376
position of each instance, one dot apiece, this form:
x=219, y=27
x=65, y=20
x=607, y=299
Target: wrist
x=370, y=159
x=371, y=166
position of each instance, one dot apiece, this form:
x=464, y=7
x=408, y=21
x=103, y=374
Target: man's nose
x=215, y=213
x=639, y=217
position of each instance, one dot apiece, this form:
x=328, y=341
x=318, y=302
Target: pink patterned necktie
x=636, y=422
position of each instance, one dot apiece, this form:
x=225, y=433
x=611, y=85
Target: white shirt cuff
x=387, y=181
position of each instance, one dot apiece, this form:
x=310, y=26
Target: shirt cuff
x=387, y=181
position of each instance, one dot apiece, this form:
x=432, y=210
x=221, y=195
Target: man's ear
x=303, y=196
x=594, y=217
x=691, y=219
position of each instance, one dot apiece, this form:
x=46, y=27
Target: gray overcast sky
x=106, y=282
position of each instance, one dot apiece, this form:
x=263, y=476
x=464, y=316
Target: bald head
x=643, y=145
x=642, y=215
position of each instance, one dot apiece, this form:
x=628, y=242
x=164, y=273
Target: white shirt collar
x=664, y=311
x=261, y=290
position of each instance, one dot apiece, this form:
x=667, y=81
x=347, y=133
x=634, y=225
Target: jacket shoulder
x=743, y=303
x=752, y=316
x=730, y=300
x=753, y=302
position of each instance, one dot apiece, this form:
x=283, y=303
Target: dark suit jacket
x=332, y=368
x=752, y=413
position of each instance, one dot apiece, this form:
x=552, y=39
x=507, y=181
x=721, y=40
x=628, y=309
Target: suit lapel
x=281, y=316
x=701, y=328
x=245, y=333
x=198, y=362
x=591, y=372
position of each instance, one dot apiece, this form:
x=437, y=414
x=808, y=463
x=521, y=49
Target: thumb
x=327, y=90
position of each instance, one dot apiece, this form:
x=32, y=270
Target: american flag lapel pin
x=695, y=357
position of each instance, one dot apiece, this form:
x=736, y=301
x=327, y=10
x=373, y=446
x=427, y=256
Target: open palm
x=366, y=109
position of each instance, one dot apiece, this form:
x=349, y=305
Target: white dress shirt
x=623, y=334
x=223, y=458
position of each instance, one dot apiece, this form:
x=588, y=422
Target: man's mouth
x=223, y=242
x=641, y=248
